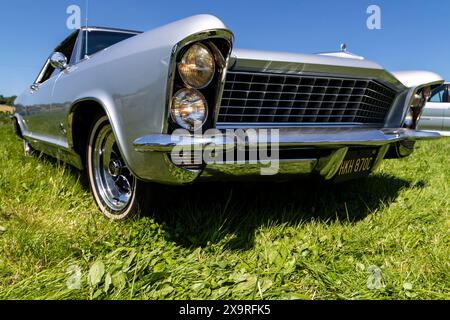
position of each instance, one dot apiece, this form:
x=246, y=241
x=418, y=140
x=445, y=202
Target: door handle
x=34, y=87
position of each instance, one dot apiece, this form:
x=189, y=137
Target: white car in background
x=436, y=115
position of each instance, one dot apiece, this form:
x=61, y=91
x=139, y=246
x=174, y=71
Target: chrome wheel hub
x=114, y=181
x=115, y=167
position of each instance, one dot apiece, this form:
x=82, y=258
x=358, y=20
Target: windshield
x=99, y=40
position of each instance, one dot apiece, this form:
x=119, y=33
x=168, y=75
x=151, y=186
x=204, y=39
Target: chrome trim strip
x=47, y=140
x=291, y=137
x=221, y=83
x=277, y=125
x=55, y=149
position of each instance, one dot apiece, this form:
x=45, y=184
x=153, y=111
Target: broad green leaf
x=108, y=282
x=129, y=261
x=197, y=286
x=221, y=292
x=160, y=267
x=407, y=286
x=166, y=290
x=248, y=285
x=264, y=285
x=97, y=294
x=96, y=273
x=296, y=296
x=119, y=280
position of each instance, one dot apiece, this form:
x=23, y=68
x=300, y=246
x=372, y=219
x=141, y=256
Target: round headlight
x=197, y=66
x=189, y=109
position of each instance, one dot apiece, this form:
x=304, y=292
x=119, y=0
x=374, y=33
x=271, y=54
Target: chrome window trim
x=42, y=72
x=47, y=63
x=80, y=54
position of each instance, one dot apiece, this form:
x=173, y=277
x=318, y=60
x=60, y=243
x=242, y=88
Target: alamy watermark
x=258, y=147
x=74, y=280
x=374, y=19
x=73, y=22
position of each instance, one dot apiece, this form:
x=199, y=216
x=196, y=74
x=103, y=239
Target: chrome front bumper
x=292, y=137
x=338, y=140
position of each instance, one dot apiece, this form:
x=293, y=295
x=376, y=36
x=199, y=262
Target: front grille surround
x=292, y=99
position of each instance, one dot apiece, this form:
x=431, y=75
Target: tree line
x=9, y=101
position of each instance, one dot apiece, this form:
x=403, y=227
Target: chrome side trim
x=55, y=149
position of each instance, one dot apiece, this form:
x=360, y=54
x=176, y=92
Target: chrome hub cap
x=114, y=181
x=115, y=167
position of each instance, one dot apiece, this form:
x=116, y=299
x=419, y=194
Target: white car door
x=433, y=115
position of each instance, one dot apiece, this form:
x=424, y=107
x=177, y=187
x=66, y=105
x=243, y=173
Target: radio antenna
x=87, y=31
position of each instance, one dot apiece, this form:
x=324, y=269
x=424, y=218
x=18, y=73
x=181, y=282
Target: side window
x=438, y=96
x=66, y=48
x=100, y=40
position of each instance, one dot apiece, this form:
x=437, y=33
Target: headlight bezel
x=220, y=42
x=183, y=62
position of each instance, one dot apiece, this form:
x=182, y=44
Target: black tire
x=118, y=194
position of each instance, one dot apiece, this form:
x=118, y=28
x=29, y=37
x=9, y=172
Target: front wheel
x=118, y=194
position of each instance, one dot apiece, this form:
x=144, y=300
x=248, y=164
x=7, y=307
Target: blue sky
x=414, y=34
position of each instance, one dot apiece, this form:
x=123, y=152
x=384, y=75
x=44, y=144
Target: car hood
x=318, y=59
x=297, y=63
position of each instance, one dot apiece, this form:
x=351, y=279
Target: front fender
x=131, y=82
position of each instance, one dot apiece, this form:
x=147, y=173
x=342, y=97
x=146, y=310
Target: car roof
x=108, y=29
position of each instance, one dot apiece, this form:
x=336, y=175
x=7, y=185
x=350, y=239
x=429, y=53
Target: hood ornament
x=343, y=53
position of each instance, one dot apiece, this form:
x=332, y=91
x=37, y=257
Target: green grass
x=385, y=237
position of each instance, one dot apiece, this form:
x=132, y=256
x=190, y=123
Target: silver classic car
x=436, y=115
x=177, y=105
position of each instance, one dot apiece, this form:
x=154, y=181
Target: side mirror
x=58, y=61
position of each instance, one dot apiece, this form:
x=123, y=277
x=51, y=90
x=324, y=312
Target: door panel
x=446, y=124
x=63, y=97
x=38, y=109
x=433, y=116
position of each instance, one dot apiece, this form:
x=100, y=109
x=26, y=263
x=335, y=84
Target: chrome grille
x=269, y=98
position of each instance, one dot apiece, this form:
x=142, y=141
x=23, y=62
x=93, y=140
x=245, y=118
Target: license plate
x=357, y=164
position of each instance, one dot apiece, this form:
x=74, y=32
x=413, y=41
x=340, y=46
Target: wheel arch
x=18, y=125
x=81, y=116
